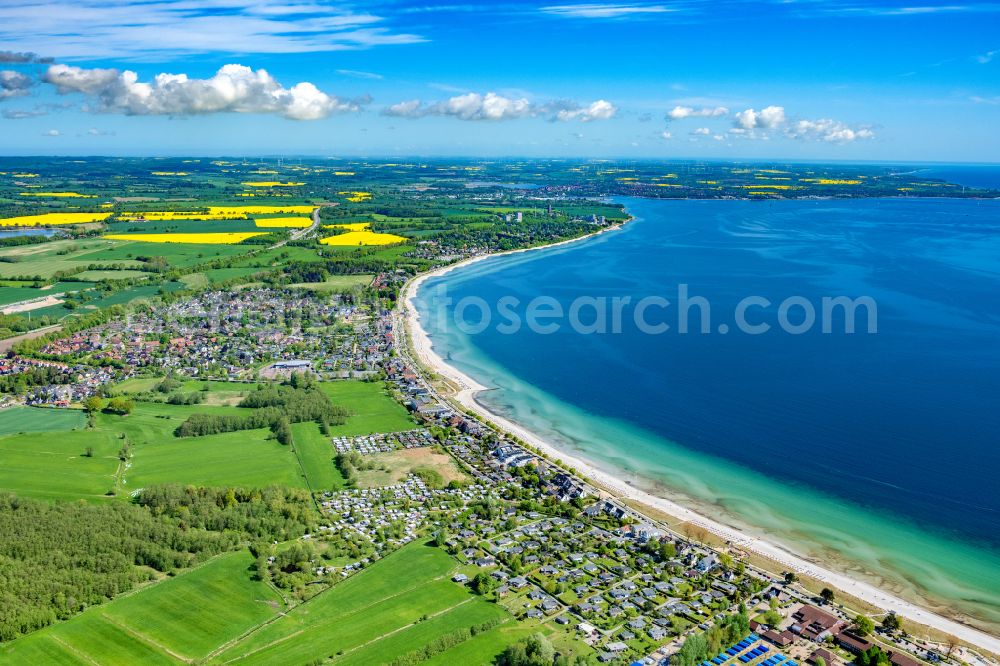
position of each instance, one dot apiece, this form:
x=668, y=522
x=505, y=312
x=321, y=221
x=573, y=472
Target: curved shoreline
x=419, y=344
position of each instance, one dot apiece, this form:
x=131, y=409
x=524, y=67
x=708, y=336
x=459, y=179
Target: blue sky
x=803, y=79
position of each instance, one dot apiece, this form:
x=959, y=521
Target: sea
x=741, y=388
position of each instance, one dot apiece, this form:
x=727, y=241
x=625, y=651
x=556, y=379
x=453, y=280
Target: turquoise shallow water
x=873, y=452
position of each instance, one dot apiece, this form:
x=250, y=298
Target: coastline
x=466, y=390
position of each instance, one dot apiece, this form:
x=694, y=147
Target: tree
x=790, y=577
x=827, y=594
x=863, y=625
x=891, y=623
x=120, y=406
x=89, y=452
x=92, y=404
x=536, y=650
x=482, y=583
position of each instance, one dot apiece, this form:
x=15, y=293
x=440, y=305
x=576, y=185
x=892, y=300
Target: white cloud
x=701, y=131
x=986, y=57
x=353, y=73
x=599, y=11
x=985, y=100
x=52, y=132
x=825, y=129
x=493, y=106
x=666, y=136
x=124, y=28
x=599, y=110
x=234, y=88
x=681, y=112
x=769, y=117
x=14, y=84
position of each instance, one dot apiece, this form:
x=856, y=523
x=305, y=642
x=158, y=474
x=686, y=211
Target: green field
x=53, y=465
x=46, y=259
x=316, y=457
x=36, y=419
x=39, y=465
x=371, y=617
x=97, y=275
x=336, y=283
x=372, y=409
x=183, y=618
x=178, y=255
x=249, y=458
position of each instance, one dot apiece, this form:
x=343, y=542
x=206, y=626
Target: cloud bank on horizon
x=822, y=85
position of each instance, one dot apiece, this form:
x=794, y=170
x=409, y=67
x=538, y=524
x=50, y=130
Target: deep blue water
x=905, y=421
x=984, y=176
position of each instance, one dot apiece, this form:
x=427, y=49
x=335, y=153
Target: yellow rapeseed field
x=67, y=195
x=167, y=215
x=299, y=222
x=257, y=210
x=217, y=238
x=53, y=219
x=354, y=238
x=832, y=181
x=270, y=183
x=357, y=197
x=169, y=173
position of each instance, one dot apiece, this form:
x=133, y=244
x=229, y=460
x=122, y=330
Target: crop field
x=209, y=238
x=175, y=225
x=16, y=294
x=52, y=219
x=134, y=294
x=39, y=464
x=336, y=283
x=47, y=259
x=98, y=275
x=249, y=458
x=178, y=255
x=372, y=409
x=355, y=238
x=371, y=617
x=259, y=210
x=182, y=618
x=276, y=256
x=315, y=455
x=37, y=419
x=298, y=222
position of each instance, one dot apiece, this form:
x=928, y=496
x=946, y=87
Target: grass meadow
x=372, y=409
x=315, y=454
x=53, y=465
x=395, y=606
x=38, y=419
x=180, y=619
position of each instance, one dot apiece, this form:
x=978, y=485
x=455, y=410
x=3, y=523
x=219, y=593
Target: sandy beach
x=467, y=388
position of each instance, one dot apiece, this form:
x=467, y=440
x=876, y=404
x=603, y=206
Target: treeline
x=58, y=559
x=444, y=642
x=275, y=407
x=700, y=647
